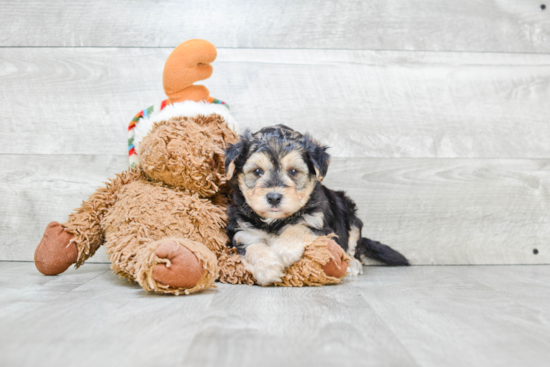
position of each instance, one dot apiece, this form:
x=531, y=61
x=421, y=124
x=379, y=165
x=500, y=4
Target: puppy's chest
x=298, y=233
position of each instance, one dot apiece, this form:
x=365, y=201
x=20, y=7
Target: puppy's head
x=276, y=169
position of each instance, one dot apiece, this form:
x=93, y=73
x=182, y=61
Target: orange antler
x=187, y=64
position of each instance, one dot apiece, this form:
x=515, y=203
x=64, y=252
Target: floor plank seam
x=89, y=280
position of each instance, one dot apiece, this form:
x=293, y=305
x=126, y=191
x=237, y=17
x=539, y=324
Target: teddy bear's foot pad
x=55, y=252
x=184, y=269
x=335, y=267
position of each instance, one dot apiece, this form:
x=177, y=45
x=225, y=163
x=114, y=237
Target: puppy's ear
x=236, y=153
x=317, y=155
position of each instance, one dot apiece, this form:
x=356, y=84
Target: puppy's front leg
x=291, y=243
x=264, y=263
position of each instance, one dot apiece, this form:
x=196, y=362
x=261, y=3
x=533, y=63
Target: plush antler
x=187, y=64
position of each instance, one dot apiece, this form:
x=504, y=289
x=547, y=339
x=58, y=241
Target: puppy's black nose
x=274, y=198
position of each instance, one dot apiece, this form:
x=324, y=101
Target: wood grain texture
x=417, y=316
x=488, y=25
x=323, y=326
x=38, y=189
x=495, y=316
x=361, y=103
x=435, y=211
x=452, y=211
x=160, y=332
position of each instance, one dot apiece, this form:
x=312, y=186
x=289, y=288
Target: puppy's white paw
x=268, y=271
x=355, y=267
x=288, y=252
x=264, y=264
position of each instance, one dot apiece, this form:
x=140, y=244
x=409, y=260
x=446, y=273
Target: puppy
x=279, y=204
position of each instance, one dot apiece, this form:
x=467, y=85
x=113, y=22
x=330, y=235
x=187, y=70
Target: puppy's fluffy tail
x=377, y=251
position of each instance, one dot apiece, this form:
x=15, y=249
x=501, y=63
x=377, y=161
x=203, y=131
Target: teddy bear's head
x=183, y=146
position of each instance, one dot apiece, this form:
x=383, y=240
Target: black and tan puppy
x=279, y=204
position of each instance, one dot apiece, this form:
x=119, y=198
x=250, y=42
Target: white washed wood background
x=437, y=112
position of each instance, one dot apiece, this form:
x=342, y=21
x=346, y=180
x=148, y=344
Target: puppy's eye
x=292, y=172
x=258, y=172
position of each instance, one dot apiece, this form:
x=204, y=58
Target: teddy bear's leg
x=184, y=269
x=233, y=268
x=79, y=238
x=323, y=262
x=175, y=265
x=336, y=267
x=56, y=251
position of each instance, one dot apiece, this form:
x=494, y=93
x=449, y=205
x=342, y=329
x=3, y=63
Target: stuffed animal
x=163, y=220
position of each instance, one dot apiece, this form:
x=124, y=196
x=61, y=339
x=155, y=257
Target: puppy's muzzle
x=274, y=199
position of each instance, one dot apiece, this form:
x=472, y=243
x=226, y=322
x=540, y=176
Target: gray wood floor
x=418, y=316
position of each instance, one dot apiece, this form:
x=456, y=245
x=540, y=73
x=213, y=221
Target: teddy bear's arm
x=85, y=222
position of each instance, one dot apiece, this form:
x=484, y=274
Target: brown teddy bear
x=163, y=221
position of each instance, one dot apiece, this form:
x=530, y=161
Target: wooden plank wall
x=436, y=112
